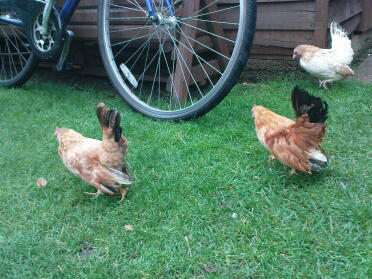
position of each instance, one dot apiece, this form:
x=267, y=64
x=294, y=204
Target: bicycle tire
x=17, y=60
x=122, y=79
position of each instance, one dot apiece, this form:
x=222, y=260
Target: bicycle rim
x=17, y=61
x=176, y=67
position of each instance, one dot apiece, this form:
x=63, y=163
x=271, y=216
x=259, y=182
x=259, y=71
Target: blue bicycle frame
x=70, y=6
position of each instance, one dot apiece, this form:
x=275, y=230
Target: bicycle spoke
x=153, y=82
x=217, y=11
x=210, y=4
x=20, y=56
x=215, y=35
x=17, y=60
x=182, y=71
x=2, y=64
x=207, y=47
x=214, y=21
x=15, y=45
x=144, y=67
x=191, y=75
x=174, y=64
x=127, y=44
x=195, y=54
x=137, y=5
x=210, y=65
x=143, y=74
x=133, y=9
x=131, y=40
x=138, y=49
x=171, y=74
x=128, y=18
x=10, y=56
x=172, y=5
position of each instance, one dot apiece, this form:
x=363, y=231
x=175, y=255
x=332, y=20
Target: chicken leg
x=95, y=195
x=271, y=158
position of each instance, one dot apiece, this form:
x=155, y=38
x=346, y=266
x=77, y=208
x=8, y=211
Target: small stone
x=234, y=215
x=41, y=182
x=128, y=228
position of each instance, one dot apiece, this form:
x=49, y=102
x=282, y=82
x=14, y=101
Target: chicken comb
x=315, y=107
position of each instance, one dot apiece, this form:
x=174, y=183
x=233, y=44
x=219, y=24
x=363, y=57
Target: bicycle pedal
x=65, y=50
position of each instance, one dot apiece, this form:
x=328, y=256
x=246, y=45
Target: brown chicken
x=99, y=163
x=296, y=144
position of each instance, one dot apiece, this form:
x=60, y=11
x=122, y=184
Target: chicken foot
x=323, y=83
x=123, y=193
x=271, y=158
x=95, y=195
x=292, y=172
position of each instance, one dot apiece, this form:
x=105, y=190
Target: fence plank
x=321, y=23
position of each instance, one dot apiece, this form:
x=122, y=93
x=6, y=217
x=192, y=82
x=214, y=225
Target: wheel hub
x=168, y=21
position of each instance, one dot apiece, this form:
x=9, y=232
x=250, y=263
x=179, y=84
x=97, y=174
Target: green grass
x=191, y=177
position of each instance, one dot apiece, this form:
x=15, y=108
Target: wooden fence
x=281, y=26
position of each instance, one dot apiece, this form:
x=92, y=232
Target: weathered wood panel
x=349, y=9
x=286, y=16
x=283, y=38
x=352, y=23
x=366, y=20
x=281, y=24
x=321, y=22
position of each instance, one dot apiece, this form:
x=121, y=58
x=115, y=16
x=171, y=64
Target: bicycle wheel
x=175, y=67
x=17, y=60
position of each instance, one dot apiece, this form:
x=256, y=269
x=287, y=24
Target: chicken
x=328, y=65
x=99, y=163
x=296, y=144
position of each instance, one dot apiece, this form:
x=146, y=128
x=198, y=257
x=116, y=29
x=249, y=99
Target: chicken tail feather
x=120, y=177
x=341, y=44
x=337, y=30
x=318, y=160
x=109, y=119
x=315, y=107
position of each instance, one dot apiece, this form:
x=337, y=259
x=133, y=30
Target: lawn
x=205, y=204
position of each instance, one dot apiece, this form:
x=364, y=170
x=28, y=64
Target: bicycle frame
x=70, y=6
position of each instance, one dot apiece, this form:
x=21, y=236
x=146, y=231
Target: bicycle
x=169, y=60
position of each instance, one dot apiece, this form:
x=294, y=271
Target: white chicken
x=328, y=65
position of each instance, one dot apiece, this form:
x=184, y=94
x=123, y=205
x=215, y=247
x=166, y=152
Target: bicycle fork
x=158, y=19
x=46, y=15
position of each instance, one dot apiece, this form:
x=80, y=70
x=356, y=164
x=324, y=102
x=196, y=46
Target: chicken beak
x=294, y=56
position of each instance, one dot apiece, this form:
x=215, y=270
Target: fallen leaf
x=41, y=182
x=128, y=228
